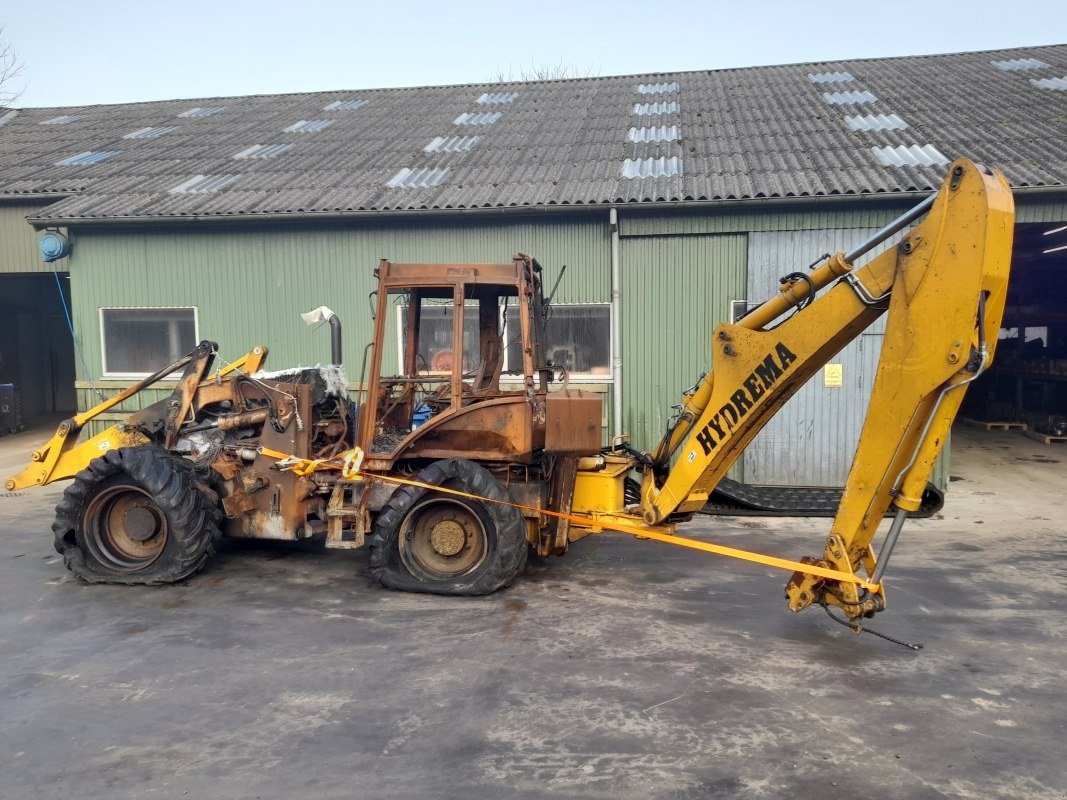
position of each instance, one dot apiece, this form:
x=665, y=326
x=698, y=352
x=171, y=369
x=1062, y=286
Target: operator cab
x=458, y=366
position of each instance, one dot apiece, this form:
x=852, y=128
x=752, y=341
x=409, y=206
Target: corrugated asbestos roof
x=763, y=132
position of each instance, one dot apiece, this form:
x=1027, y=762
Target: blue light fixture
x=54, y=246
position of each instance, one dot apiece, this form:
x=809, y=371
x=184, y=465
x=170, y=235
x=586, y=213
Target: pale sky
x=79, y=52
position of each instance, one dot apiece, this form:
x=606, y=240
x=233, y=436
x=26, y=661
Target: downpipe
x=616, y=325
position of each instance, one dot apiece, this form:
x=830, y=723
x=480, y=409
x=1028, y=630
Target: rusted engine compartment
x=223, y=425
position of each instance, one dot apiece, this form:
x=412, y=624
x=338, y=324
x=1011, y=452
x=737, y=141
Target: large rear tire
x=137, y=515
x=439, y=543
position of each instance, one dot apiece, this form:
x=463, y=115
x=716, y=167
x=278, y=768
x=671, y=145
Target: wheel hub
x=140, y=523
x=447, y=537
x=441, y=539
x=125, y=528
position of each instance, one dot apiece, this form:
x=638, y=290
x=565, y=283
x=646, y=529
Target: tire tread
x=507, y=556
x=191, y=508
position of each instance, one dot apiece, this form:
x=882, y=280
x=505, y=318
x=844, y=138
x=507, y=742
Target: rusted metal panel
x=555, y=538
x=573, y=423
x=493, y=430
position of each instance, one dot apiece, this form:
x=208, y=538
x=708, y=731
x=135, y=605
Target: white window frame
x=590, y=377
x=137, y=375
x=506, y=378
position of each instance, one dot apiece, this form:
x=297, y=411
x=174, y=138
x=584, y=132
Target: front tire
x=439, y=543
x=137, y=515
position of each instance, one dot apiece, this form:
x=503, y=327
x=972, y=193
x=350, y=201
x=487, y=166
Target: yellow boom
x=944, y=286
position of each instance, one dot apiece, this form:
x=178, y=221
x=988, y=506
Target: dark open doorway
x=1027, y=383
x=36, y=349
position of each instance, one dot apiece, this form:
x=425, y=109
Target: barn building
x=674, y=200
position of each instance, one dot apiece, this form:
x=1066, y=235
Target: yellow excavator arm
x=944, y=287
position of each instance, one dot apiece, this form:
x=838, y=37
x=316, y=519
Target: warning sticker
x=833, y=376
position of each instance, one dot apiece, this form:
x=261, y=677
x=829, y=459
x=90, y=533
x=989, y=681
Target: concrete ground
x=627, y=669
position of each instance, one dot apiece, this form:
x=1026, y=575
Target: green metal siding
x=18, y=241
x=865, y=214
x=249, y=284
x=790, y=218
x=675, y=290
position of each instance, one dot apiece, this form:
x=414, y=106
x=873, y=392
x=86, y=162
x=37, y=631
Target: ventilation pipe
x=324, y=314
x=616, y=324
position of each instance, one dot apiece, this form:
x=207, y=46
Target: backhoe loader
x=474, y=450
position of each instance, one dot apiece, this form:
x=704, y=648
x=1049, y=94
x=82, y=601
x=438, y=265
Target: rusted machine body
x=457, y=392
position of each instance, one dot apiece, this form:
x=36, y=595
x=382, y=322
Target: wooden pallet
x=1046, y=438
x=996, y=426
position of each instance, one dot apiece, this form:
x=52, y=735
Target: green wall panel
x=864, y=214
x=1040, y=211
x=783, y=218
x=18, y=241
x=675, y=290
x=249, y=284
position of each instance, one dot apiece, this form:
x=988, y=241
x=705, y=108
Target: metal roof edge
x=530, y=210
x=541, y=209
x=33, y=197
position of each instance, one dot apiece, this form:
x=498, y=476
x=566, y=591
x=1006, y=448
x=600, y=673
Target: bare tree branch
x=11, y=69
x=542, y=72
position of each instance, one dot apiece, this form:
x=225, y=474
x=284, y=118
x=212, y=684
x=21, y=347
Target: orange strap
x=304, y=466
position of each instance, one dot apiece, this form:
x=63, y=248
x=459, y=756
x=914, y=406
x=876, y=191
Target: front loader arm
x=62, y=457
x=944, y=286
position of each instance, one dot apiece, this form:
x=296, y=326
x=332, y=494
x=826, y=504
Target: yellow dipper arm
x=945, y=287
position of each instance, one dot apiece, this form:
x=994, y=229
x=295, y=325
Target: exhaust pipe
x=325, y=314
